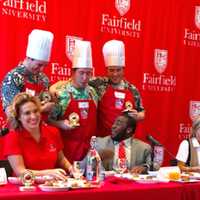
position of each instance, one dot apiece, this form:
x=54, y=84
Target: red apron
x=111, y=106
x=33, y=88
x=77, y=141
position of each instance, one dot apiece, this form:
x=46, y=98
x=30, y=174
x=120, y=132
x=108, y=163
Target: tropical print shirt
x=66, y=92
x=15, y=81
x=100, y=84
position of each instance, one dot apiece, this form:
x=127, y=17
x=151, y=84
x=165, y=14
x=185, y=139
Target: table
x=131, y=190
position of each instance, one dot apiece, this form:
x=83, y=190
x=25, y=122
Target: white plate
x=38, y=179
x=109, y=173
x=46, y=188
x=14, y=180
x=194, y=175
x=153, y=173
x=81, y=184
x=125, y=175
x=188, y=181
x=147, y=181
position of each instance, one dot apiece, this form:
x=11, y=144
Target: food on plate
x=185, y=177
x=174, y=175
x=55, y=183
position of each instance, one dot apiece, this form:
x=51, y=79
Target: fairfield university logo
x=119, y=24
x=160, y=60
x=159, y=82
x=122, y=6
x=70, y=45
x=194, y=109
x=34, y=10
x=191, y=35
x=197, y=16
x=194, y=112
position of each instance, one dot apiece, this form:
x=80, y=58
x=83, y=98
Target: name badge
x=83, y=105
x=120, y=95
x=30, y=92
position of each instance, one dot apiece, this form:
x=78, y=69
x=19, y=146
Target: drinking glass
x=78, y=170
x=121, y=165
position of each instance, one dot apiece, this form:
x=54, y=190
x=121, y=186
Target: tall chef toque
x=114, y=53
x=82, y=57
x=39, y=45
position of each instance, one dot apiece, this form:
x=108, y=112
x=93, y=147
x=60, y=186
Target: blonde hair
x=13, y=110
x=195, y=126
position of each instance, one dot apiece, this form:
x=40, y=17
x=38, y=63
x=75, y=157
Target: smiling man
x=76, y=98
x=28, y=76
x=115, y=93
x=121, y=144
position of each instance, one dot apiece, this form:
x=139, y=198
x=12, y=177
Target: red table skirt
x=111, y=191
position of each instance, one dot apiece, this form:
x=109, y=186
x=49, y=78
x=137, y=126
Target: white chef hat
x=39, y=45
x=82, y=57
x=114, y=53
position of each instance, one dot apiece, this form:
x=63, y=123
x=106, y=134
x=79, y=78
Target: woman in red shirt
x=32, y=144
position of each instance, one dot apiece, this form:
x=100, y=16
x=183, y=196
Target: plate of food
x=52, y=186
x=81, y=184
x=192, y=175
x=14, y=180
x=185, y=181
x=185, y=178
x=146, y=179
x=37, y=180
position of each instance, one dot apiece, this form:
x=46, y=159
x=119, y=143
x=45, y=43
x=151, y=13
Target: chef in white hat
x=76, y=116
x=28, y=75
x=116, y=95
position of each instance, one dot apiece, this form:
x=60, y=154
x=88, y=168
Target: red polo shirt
x=36, y=155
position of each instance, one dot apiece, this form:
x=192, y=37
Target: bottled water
x=93, y=162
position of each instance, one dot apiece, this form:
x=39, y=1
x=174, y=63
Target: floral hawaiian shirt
x=64, y=97
x=100, y=84
x=14, y=82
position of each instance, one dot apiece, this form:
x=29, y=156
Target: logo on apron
x=52, y=148
x=84, y=109
x=30, y=92
x=119, y=99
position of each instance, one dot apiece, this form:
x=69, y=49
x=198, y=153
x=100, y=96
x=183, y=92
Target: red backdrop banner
x=162, y=41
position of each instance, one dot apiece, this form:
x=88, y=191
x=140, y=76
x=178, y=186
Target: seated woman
x=31, y=144
x=188, y=155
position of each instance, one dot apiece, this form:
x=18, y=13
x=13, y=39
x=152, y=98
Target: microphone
x=153, y=140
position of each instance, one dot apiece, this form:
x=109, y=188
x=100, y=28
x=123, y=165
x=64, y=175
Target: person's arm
x=182, y=155
x=11, y=86
x=184, y=168
x=139, y=169
x=56, y=114
x=138, y=116
x=63, y=162
x=61, y=124
x=56, y=87
x=17, y=164
x=138, y=113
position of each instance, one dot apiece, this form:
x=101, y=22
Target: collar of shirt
x=127, y=142
x=121, y=86
x=195, y=142
x=76, y=92
x=26, y=133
